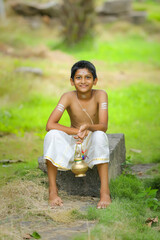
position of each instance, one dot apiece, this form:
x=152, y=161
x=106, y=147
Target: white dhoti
x=59, y=148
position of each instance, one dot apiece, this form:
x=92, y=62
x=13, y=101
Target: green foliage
x=153, y=183
x=119, y=220
x=115, y=50
x=151, y=7
x=141, y=125
x=149, y=198
x=127, y=213
x=76, y=214
x=30, y=115
x=125, y=187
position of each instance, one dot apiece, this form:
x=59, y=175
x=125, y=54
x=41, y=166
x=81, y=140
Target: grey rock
x=51, y=9
x=90, y=185
x=36, y=71
x=6, y=161
x=140, y=170
x=107, y=19
x=138, y=17
x=113, y=7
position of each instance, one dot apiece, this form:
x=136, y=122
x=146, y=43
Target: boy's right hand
x=82, y=135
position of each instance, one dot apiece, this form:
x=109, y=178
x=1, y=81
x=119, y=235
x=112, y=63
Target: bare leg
x=54, y=199
x=105, y=199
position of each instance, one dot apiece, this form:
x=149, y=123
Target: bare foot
x=55, y=200
x=105, y=201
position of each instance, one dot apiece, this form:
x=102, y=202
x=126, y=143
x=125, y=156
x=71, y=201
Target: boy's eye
x=88, y=77
x=78, y=77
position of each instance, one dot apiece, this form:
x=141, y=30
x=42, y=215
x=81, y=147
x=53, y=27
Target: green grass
x=125, y=218
x=134, y=112
x=27, y=170
x=151, y=7
x=123, y=48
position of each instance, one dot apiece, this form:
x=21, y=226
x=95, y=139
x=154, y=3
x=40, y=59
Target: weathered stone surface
x=141, y=170
x=114, y=10
x=36, y=71
x=138, y=17
x=114, y=7
x=51, y=9
x=89, y=185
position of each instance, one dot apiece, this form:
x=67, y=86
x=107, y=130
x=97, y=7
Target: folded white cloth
x=59, y=148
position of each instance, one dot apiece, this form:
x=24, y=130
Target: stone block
x=113, y=7
x=51, y=9
x=90, y=185
x=138, y=17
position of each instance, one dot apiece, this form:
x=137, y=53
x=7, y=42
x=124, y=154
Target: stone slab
x=138, y=17
x=115, y=7
x=51, y=9
x=90, y=185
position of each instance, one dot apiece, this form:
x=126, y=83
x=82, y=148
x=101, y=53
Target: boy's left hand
x=83, y=132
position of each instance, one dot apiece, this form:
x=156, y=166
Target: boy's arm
x=57, y=114
x=103, y=115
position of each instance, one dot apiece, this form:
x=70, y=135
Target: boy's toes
x=56, y=202
x=102, y=205
x=60, y=203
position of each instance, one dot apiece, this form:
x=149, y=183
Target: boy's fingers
x=79, y=142
x=82, y=129
x=76, y=137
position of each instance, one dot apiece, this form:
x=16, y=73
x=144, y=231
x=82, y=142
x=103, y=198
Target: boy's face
x=83, y=80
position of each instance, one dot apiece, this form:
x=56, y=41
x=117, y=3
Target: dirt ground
x=25, y=209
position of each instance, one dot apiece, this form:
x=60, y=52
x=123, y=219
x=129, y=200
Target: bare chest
x=83, y=112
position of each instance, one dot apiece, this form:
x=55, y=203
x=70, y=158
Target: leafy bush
x=149, y=198
x=126, y=187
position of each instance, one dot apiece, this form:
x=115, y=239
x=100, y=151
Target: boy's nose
x=83, y=80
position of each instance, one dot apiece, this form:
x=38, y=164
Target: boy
x=88, y=112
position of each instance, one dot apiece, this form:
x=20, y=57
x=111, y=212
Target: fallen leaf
x=149, y=224
x=35, y=235
x=135, y=150
x=46, y=19
x=155, y=220
x=150, y=221
x=27, y=236
x=5, y=161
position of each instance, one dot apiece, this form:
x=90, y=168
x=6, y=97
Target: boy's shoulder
x=67, y=97
x=68, y=94
x=100, y=93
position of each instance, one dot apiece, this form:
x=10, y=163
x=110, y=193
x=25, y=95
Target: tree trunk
x=2, y=10
x=77, y=19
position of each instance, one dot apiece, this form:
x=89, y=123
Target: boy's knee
x=98, y=136
x=52, y=134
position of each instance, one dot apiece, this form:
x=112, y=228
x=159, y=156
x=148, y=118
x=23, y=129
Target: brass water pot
x=79, y=167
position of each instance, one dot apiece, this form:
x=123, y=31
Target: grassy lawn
x=125, y=218
x=127, y=58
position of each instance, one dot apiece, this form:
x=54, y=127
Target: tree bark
x=2, y=10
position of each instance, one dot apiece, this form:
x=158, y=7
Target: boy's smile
x=83, y=81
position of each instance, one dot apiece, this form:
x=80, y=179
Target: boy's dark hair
x=83, y=64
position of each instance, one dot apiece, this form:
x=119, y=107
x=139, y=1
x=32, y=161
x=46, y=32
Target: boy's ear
x=95, y=81
x=72, y=82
